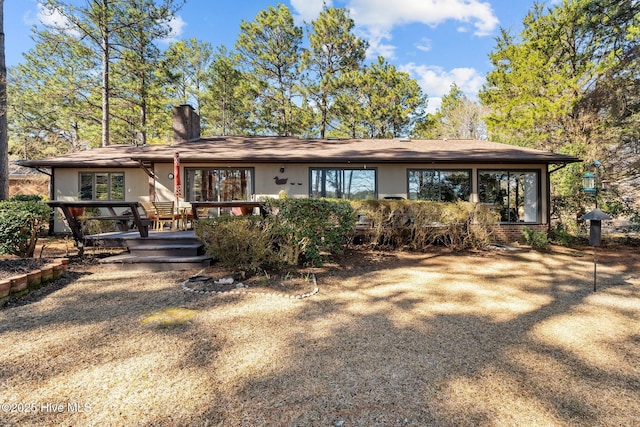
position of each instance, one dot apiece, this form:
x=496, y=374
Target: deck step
x=158, y=263
x=160, y=251
x=186, y=249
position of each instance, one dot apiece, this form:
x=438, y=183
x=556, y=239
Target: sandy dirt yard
x=497, y=338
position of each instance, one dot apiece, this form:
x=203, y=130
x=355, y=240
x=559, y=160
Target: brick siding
x=510, y=233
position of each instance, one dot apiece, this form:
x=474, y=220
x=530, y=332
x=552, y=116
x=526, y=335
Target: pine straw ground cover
x=438, y=339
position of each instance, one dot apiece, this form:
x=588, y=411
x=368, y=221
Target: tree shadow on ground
x=391, y=339
x=364, y=355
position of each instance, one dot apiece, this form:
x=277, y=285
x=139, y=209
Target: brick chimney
x=186, y=124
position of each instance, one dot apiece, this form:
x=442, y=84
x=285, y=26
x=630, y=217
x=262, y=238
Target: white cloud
x=436, y=81
x=52, y=18
x=307, y=10
x=377, y=18
x=388, y=14
x=424, y=44
x=177, y=25
x=377, y=38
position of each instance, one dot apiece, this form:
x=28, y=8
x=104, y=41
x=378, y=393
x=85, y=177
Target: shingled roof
x=251, y=150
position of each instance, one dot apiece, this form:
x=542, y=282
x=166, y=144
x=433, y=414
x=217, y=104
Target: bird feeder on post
x=595, y=218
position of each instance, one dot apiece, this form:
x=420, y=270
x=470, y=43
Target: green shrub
x=420, y=224
x=305, y=229
x=243, y=242
x=561, y=236
x=536, y=239
x=22, y=219
x=295, y=231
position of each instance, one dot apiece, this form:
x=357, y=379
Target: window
x=440, y=185
x=218, y=184
x=101, y=186
x=352, y=184
x=514, y=194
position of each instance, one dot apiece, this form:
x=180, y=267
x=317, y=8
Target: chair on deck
x=165, y=213
x=150, y=212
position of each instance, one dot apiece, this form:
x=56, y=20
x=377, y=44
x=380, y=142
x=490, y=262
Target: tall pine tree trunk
x=4, y=143
x=105, y=89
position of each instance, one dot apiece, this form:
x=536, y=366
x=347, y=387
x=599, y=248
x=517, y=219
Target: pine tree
x=334, y=52
x=269, y=49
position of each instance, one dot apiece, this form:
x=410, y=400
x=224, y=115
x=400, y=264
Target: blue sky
x=436, y=41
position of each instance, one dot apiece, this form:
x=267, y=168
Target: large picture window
x=352, y=184
x=218, y=184
x=515, y=194
x=439, y=185
x=101, y=186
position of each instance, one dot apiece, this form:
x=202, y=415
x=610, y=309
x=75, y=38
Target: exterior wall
x=392, y=179
x=511, y=233
x=391, y=182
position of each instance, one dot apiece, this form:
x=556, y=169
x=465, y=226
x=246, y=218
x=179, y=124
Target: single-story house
x=513, y=179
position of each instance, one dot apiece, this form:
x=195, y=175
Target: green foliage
x=22, y=218
x=334, y=53
x=393, y=100
x=227, y=95
x=420, y=224
x=296, y=231
x=103, y=56
x=270, y=47
x=536, y=239
x=47, y=99
x=567, y=83
x=456, y=118
x=60, y=100
x=186, y=68
x=307, y=228
x=560, y=236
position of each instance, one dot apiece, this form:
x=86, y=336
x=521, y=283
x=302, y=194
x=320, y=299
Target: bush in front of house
x=22, y=219
x=536, y=239
x=306, y=229
x=417, y=225
x=242, y=242
x=294, y=232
